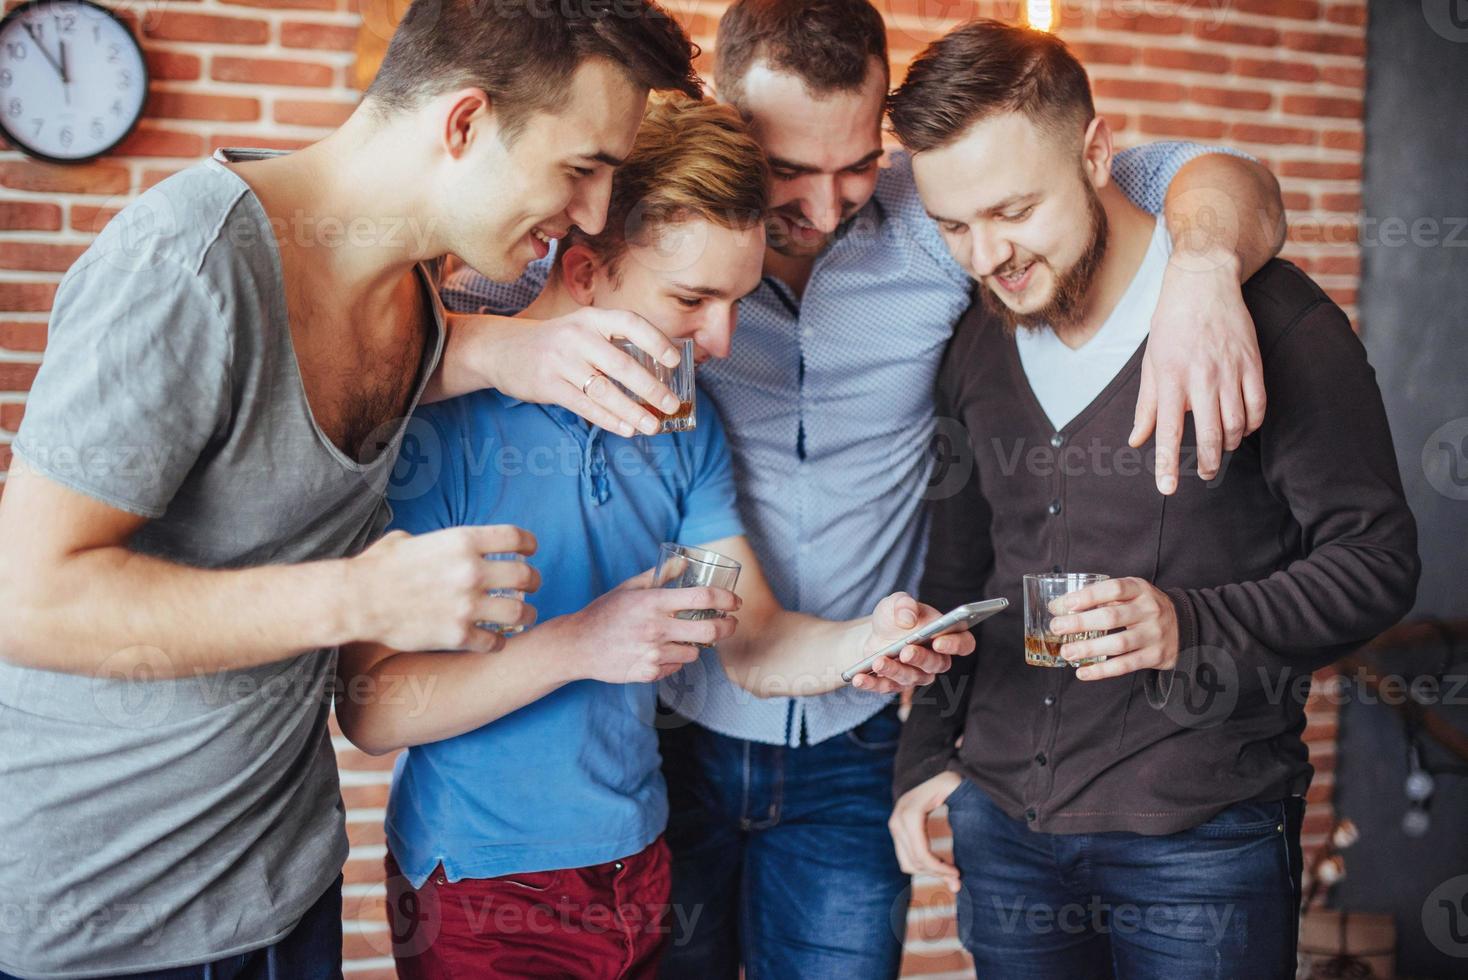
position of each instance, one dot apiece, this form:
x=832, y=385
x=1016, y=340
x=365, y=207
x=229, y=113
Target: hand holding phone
x=964, y=617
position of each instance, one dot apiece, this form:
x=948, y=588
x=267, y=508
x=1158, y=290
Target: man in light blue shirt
x=779, y=805
x=536, y=769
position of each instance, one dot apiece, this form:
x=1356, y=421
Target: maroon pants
x=605, y=921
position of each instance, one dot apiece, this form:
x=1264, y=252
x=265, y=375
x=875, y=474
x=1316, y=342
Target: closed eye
x=690, y=302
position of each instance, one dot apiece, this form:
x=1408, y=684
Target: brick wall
x=1282, y=79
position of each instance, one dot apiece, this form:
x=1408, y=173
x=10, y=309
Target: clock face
x=72, y=79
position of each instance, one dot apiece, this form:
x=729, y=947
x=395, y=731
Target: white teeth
x=541, y=235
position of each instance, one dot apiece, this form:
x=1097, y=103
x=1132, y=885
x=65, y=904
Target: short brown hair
x=986, y=67
x=827, y=44
x=694, y=158
x=524, y=52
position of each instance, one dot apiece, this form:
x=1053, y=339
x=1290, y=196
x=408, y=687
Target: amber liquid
x=685, y=409
x=1043, y=650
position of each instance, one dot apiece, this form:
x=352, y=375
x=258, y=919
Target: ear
x=468, y=115
x=579, y=269
x=1097, y=153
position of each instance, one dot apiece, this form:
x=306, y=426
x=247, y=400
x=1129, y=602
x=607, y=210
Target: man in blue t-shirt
x=532, y=775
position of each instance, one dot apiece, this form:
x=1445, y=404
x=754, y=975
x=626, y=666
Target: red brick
x=90, y=217
x=366, y=832
x=1130, y=88
x=270, y=71
x=916, y=964
x=1099, y=53
x=1347, y=77
x=38, y=256
x=359, y=946
x=1230, y=33
x=1187, y=128
x=1340, y=202
x=286, y=4
x=1343, y=296
x=1230, y=98
x=1352, y=14
x=1265, y=133
x=196, y=105
x=1320, y=171
x=161, y=143
x=256, y=142
x=1294, y=9
x=10, y=416
x=1284, y=71
x=300, y=112
x=30, y=216
x=1185, y=60
x=333, y=37
x=365, y=796
x=16, y=377
x=23, y=335
x=1329, y=231
x=175, y=25
x=91, y=178
x=154, y=176
x=1296, y=201
x=172, y=66
x=1319, y=43
x=355, y=759
x=4, y=456
x=26, y=297
x=1135, y=22
x=1322, y=105
x=1338, y=265
x=1343, y=140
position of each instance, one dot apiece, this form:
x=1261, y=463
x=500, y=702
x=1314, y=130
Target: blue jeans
x=781, y=856
x=1219, y=900
x=310, y=951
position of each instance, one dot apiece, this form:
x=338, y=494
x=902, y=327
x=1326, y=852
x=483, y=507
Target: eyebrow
x=711, y=291
x=602, y=156
x=1004, y=205
x=781, y=164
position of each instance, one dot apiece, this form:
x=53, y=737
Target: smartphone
x=965, y=616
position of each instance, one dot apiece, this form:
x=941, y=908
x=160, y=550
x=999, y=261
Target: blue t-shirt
x=572, y=779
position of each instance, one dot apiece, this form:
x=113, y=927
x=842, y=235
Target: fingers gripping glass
x=682, y=567
x=678, y=379
x=501, y=628
x=1042, y=647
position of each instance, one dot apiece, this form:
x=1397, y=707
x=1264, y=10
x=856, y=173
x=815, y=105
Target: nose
x=716, y=333
x=823, y=203
x=589, y=200
x=988, y=252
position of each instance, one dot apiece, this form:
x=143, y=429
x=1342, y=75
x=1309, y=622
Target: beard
x=1072, y=285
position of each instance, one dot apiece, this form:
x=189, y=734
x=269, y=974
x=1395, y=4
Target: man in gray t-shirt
x=191, y=527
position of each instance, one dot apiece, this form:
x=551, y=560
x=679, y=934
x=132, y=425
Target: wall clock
x=72, y=79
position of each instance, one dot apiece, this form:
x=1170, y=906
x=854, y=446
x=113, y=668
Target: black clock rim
x=19, y=144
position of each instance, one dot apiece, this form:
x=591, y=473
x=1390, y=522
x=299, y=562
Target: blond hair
x=693, y=158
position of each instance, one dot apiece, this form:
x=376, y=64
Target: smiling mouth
x=1016, y=280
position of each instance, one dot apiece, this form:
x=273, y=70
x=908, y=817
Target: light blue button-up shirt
x=828, y=404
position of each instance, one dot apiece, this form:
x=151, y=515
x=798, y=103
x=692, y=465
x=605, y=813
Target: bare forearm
x=787, y=654
x=128, y=614
x=1225, y=210
x=463, y=367
x=407, y=699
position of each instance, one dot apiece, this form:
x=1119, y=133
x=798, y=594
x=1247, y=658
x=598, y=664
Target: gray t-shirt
x=145, y=823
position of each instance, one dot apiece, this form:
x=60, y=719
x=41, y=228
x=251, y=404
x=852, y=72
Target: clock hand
x=65, y=75
x=31, y=30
